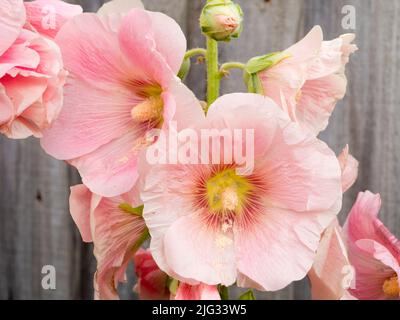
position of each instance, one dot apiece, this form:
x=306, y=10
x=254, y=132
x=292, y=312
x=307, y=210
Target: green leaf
x=173, y=285
x=257, y=64
x=248, y=295
x=138, y=211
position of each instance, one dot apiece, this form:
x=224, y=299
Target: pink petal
x=79, y=204
x=317, y=101
x=115, y=234
x=197, y=292
x=143, y=37
x=328, y=275
x=349, y=166
x=12, y=19
x=111, y=169
x=48, y=16
x=285, y=244
x=195, y=252
x=6, y=110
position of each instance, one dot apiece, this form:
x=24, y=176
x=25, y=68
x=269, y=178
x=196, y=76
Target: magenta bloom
x=152, y=281
x=211, y=225
x=115, y=232
x=373, y=251
x=31, y=75
x=309, y=83
x=122, y=85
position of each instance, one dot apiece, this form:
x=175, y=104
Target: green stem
x=213, y=78
x=195, y=52
x=231, y=65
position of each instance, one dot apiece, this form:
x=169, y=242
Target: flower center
x=391, y=287
x=150, y=110
x=226, y=191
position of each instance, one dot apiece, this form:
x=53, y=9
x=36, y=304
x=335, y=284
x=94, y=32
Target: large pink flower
x=122, y=85
x=309, y=83
x=209, y=224
x=31, y=75
x=373, y=251
x=48, y=16
x=115, y=230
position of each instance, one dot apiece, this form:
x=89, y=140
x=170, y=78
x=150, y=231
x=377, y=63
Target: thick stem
x=213, y=77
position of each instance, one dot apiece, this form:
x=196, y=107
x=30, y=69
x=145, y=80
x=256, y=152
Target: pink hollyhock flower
x=48, y=16
x=115, y=230
x=373, y=250
x=197, y=292
x=152, y=281
x=211, y=225
x=309, y=83
x=31, y=75
x=349, y=166
x=122, y=85
x=331, y=274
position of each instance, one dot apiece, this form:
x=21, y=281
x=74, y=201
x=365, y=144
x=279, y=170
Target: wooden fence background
x=35, y=226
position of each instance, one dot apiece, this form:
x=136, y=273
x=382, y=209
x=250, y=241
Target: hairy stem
x=213, y=77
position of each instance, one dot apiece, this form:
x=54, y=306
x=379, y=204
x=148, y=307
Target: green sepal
x=248, y=295
x=138, y=211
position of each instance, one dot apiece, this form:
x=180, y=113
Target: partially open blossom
x=152, y=281
x=331, y=274
x=309, y=82
x=123, y=84
x=212, y=225
x=31, y=75
x=349, y=166
x=221, y=20
x=48, y=16
x=373, y=251
x=115, y=230
x=196, y=292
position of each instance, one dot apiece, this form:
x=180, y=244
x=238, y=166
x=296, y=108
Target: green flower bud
x=221, y=20
x=257, y=64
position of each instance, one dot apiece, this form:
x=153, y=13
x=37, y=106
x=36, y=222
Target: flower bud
x=258, y=64
x=221, y=20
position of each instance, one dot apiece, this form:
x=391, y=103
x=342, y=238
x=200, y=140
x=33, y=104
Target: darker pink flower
x=48, y=16
x=373, y=250
x=311, y=80
x=122, y=85
x=115, y=230
x=31, y=75
x=197, y=292
x=152, y=281
x=211, y=224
